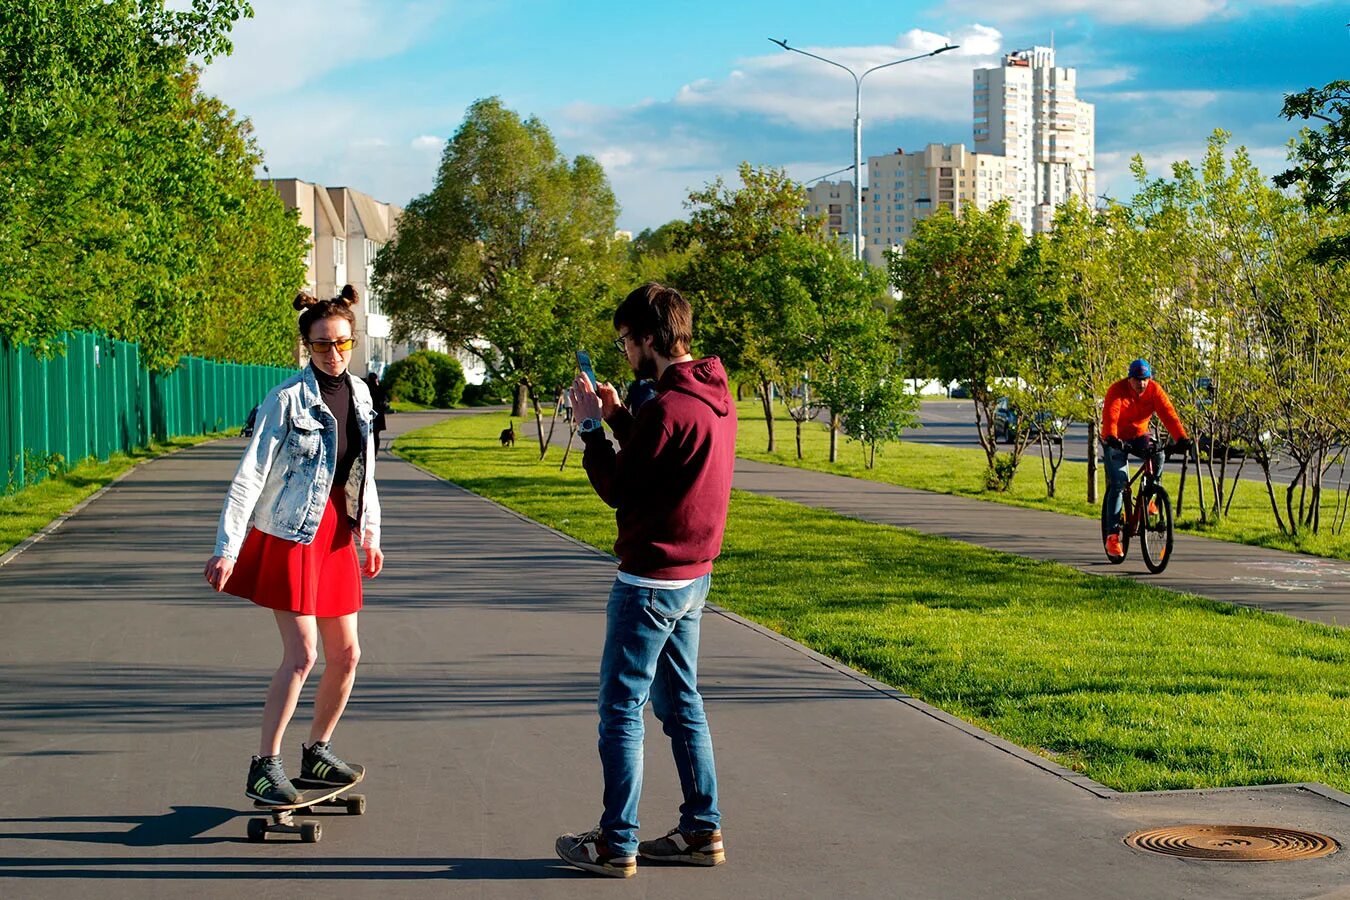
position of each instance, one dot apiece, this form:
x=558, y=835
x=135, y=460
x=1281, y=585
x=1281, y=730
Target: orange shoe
x=1113, y=545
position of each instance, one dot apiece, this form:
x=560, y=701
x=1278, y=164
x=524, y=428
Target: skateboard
x=311, y=795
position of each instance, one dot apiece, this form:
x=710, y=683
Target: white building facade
x=347, y=230
x=1028, y=111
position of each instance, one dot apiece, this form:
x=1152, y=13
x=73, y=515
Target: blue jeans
x=1118, y=478
x=651, y=651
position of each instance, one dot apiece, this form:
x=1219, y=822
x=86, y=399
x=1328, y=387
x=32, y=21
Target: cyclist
x=1130, y=406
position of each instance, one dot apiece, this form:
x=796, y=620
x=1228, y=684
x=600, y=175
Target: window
x=372, y=248
x=309, y=253
x=945, y=172
x=339, y=251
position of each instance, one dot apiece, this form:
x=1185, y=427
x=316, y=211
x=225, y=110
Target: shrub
x=427, y=377
x=489, y=393
x=412, y=379
x=449, y=378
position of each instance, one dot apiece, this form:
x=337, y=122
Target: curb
x=1077, y=779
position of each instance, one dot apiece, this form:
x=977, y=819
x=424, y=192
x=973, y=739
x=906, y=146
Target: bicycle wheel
x=1124, y=534
x=1155, y=531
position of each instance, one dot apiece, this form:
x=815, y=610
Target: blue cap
x=1141, y=369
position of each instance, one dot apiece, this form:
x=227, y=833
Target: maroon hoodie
x=670, y=481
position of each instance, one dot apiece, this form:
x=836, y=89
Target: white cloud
x=427, y=142
x=1167, y=13
x=807, y=93
x=297, y=42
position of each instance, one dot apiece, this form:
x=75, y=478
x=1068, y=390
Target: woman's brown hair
x=316, y=310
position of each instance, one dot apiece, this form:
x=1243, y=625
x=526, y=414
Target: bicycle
x=1148, y=515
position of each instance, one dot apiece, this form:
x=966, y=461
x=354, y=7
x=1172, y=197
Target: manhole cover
x=1238, y=843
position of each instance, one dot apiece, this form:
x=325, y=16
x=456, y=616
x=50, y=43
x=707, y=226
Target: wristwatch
x=589, y=425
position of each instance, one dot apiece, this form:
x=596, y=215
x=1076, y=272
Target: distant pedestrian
x=379, y=400
x=669, y=483
x=303, y=490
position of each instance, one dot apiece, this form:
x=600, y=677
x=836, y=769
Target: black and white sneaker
x=267, y=782
x=320, y=765
x=699, y=848
x=590, y=852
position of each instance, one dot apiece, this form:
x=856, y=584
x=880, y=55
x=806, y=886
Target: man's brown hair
x=661, y=312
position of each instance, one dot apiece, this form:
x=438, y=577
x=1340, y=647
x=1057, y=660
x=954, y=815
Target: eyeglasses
x=342, y=345
x=620, y=342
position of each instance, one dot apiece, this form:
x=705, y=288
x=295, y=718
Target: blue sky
x=668, y=97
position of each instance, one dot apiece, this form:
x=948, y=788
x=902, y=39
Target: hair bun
x=349, y=295
x=304, y=301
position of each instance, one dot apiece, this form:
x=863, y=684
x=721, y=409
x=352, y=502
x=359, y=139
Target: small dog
x=508, y=435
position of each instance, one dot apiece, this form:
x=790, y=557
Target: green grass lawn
x=27, y=511
x=952, y=470
x=1137, y=687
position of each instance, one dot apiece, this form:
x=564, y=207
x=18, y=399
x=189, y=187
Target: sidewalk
x=131, y=697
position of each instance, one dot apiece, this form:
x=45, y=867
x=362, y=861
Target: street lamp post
x=857, y=125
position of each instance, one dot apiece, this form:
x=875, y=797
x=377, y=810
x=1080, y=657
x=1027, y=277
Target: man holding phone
x=669, y=483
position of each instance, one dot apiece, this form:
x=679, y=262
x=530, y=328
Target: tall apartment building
x=1028, y=111
x=832, y=202
x=903, y=188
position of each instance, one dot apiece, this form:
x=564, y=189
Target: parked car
x=1008, y=423
x=959, y=392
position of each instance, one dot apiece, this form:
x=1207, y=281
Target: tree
x=1322, y=159
x=1093, y=256
x=1046, y=395
x=509, y=256
x=743, y=239
x=128, y=203
x=959, y=313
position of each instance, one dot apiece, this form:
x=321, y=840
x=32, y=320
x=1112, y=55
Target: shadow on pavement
x=296, y=868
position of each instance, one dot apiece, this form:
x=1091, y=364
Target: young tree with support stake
x=959, y=312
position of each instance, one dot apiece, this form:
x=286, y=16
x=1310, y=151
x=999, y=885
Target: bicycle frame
x=1133, y=496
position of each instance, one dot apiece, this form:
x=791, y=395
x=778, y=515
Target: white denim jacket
x=285, y=476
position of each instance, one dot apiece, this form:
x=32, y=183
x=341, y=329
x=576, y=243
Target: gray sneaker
x=589, y=851
x=700, y=848
x=267, y=782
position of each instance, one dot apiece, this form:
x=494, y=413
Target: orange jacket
x=1126, y=415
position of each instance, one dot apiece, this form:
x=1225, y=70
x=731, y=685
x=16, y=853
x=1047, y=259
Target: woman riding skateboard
x=302, y=497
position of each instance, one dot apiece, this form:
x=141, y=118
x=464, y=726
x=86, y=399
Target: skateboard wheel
x=356, y=805
x=310, y=832
x=257, y=830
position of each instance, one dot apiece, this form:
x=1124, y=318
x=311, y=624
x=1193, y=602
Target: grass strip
x=28, y=511
x=1138, y=687
x=959, y=471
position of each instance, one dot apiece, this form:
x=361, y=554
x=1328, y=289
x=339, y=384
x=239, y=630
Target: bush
x=489, y=393
x=999, y=477
x=449, y=379
x=426, y=377
x=412, y=379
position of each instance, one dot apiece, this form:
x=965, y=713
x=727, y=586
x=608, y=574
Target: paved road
x=951, y=423
x=130, y=696
x=1306, y=587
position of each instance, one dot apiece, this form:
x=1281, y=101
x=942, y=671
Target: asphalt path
x=951, y=423
x=130, y=695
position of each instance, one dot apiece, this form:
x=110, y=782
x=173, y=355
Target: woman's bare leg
x=299, y=637
x=341, y=653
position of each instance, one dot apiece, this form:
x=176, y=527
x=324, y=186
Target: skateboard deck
x=311, y=795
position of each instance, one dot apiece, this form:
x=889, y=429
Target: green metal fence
x=96, y=399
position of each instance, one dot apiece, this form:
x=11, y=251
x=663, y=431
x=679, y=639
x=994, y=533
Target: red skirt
x=321, y=578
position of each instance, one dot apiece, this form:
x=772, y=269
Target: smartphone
x=584, y=361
